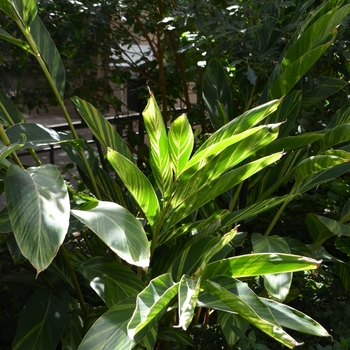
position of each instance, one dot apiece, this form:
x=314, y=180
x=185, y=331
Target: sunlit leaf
x=38, y=206
x=188, y=295
x=151, y=304
x=262, y=319
x=291, y=318
x=277, y=285
x=259, y=264
x=180, y=143
x=137, y=183
x=119, y=230
x=159, y=148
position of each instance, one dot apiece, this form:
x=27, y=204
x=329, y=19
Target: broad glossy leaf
x=73, y=331
x=38, y=207
x=188, y=295
x=137, y=184
x=177, y=336
x=242, y=123
x=291, y=318
x=215, y=188
x=49, y=53
x=216, y=90
x=151, y=304
x=321, y=228
x=181, y=142
x=262, y=320
x=226, y=321
x=5, y=151
x=277, y=285
x=111, y=280
x=341, y=117
x=109, y=331
x=42, y=320
x=259, y=264
x=104, y=132
x=159, y=148
x=8, y=8
x=36, y=134
x=119, y=230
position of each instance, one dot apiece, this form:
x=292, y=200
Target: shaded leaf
x=104, y=132
x=177, y=336
x=226, y=321
x=42, y=320
x=111, y=280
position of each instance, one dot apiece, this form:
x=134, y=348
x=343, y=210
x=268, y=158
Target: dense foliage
x=202, y=242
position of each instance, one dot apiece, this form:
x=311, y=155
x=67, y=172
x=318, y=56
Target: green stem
x=59, y=99
x=280, y=211
x=345, y=218
x=75, y=282
x=7, y=142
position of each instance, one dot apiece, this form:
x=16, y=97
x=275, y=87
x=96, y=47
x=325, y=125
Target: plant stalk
x=75, y=282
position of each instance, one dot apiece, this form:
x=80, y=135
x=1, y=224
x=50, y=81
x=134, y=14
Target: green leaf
x=226, y=321
x=216, y=187
x=42, y=320
x=216, y=90
x=138, y=185
x=259, y=264
x=111, y=280
x=119, y=230
x=109, y=331
x=295, y=71
x=9, y=38
x=26, y=11
x=159, y=149
x=242, y=123
x=151, y=304
x=343, y=270
x=14, y=250
x=49, y=53
x=176, y=336
x=322, y=228
x=240, y=302
x=188, y=295
x=277, y=285
x=8, y=110
x=38, y=207
x=104, y=132
x=322, y=176
x=180, y=143
x=36, y=135
x=252, y=210
x=5, y=151
x=291, y=318
x=324, y=87
x=334, y=136
x=73, y=331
